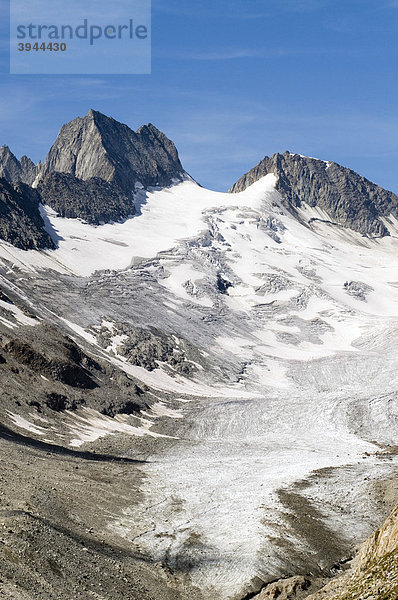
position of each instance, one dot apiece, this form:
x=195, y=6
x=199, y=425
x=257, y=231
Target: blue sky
x=235, y=80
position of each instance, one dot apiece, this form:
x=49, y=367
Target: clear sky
x=235, y=80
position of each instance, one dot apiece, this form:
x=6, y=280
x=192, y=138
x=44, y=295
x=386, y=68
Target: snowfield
x=297, y=324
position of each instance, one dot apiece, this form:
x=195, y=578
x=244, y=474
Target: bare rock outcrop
x=293, y=588
x=21, y=223
x=349, y=199
x=99, y=146
x=374, y=575
x=95, y=200
x=14, y=170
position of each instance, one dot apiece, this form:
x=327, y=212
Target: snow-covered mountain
x=243, y=345
x=345, y=197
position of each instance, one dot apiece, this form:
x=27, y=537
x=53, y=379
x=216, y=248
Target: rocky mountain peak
x=99, y=146
x=14, y=170
x=349, y=199
x=90, y=172
x=93, y=167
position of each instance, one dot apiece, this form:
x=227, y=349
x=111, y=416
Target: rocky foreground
x=371, y=575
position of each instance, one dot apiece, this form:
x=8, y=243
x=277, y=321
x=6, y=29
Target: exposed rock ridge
x=348, y=198
x=100, y=146
x=14, y=170
x=20, y=221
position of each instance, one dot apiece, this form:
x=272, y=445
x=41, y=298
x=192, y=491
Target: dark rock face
x=14, y=170
x=95, y=200
x=223, y=284
x=20, y=221
x=98, y=146
x=64, y=368
x=349, y=199
x=59, y=402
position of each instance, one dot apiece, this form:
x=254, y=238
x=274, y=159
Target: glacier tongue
x=294, y=329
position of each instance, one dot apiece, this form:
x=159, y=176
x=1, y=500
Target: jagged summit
x=14, y=170
x=92, y=169
x=348, y=198
x=100, y=146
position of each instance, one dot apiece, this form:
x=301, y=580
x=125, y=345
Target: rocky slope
x=21, y=223
x=347, y=198
x=374, y=575
x=95, y=201
x=36, y=355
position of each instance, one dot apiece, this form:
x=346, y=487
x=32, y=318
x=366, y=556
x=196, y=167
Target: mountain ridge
x=348, y=198
x=91, y=173
x=96, y=165
x=14, y=170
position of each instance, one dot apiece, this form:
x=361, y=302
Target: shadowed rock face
x=14, y=170
x=349, y=199
x=95, y=200
x=99, y=146
x=20, y=221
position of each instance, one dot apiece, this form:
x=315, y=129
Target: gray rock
x=293, y=588
x=349, y=199
x=99, y=146
x=28, y=170
x=95, y=200
x=147, y=348
x=14, y=170
x=20, y=221
x=358, y=289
